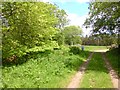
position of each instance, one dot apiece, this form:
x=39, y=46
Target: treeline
x=100, y=40
x=34, y=26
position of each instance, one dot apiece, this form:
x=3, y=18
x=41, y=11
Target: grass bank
x=96, y=74
x=51, y=69
x=113, y=57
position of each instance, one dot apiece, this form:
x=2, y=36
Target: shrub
x=75, y=50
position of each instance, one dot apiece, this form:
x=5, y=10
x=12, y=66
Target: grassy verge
x=113, y=57
x=96, y=75
x=44, y=70
x=93, y=48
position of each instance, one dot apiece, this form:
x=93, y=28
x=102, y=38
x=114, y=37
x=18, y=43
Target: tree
x=104, y=17
x=62, y=22
x=62, y=19
x=100, y=39
x=60, y=38
x=31, y=27
x=72, y=35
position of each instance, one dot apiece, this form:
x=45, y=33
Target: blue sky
x=74, y=7
x=77, y=11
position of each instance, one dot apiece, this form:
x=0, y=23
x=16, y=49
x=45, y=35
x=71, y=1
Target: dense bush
x=75, y=49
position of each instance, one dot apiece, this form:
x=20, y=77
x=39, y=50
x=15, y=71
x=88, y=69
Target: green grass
x=96, y=75
x=113, y=57
x=93, y=48
x=43, y=70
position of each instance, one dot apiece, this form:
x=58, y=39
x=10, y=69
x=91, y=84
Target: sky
x=77, y=11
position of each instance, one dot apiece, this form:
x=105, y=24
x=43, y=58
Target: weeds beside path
x=50, y=69
x=113, y=74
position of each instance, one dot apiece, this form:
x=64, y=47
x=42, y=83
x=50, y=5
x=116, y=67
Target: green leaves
x=72, y=35
x=103, y=17
x=31, y=25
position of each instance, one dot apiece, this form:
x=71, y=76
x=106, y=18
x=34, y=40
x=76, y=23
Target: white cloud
x=76, y=19
x=79, y=20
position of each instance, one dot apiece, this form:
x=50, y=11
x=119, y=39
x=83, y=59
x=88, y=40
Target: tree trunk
x=119, y=42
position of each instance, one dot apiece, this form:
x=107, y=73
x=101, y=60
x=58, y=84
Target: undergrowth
x=50, y=69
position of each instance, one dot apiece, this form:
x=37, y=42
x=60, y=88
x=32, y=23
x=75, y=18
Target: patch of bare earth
x=76, y=79
x=114, y=77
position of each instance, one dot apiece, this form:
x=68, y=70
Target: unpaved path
x=113, y=74
x=104, y=50
x=76, y=79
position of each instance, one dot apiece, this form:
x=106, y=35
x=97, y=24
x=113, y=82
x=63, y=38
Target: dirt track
x=76, y=79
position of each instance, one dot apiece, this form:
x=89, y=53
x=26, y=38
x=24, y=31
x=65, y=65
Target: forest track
x=77, y=78
x=114, y=77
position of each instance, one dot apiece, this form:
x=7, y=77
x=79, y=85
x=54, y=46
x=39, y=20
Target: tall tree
x=62, y=22
x=104, y=17
x=31, y=27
